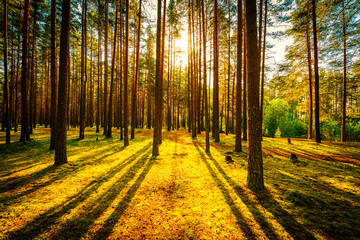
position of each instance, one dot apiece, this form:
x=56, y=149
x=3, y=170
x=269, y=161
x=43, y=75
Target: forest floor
x=108, y=191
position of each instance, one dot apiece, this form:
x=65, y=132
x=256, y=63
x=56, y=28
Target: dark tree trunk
x=343, y=122
x=121, y=116
x=24, y=76
x=263, y=68
x=6, y=118
x=126, y=76
x=216, y=77
x=135, y=83
x=158, y=82
x=60, y=147
x=83, y=71
x=17, y=78
x=160, y=112
x=207, y=120
x=108, y=133
x=316, y=69
x=255, y=180
x=149, y=96
x=106, y=67
x=98, y=110
x=53, y=75
x=238, y=147
x=32, y=78
x=245, y=87
x=310, y=131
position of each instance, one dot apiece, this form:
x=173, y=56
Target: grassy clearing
x=107, y=191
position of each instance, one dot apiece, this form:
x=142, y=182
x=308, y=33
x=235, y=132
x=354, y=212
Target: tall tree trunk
x=343, y=122
x=316, y=68
x=24, y=76
x=168, y=91
x=162, y=72
x=98, y=110
x=216, y=77
x=53, y=75
x=310, y=131
x=17, y=78
x=207, y=120
x=263, y=68
x=149, y=95
x=6, y=98
x=110, y=117
x=32, y=78
x=83, y=71
x=158, y=82
x=135, y=83
x=255, y=180
x=245, y=119
x=190, y=96
x=200, y=126
x=126, y=75
x=106, y=66
x=121, y=117
x=238, y=147
x=60, y=147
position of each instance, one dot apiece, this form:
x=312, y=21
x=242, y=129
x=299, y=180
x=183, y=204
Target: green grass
x=108, y=191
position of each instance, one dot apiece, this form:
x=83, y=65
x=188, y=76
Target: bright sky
x=275, y=55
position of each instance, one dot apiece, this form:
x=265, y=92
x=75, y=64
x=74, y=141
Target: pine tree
x=60, y=147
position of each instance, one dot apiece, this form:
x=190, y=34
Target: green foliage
x=275, y=113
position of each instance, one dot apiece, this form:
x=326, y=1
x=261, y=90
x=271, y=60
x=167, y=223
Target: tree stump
x=229, y=159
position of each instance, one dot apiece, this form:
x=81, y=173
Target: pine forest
x=180, y=119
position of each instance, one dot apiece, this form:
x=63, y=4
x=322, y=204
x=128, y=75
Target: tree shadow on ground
x=57, y=173
x=45, y=221
x=248, y=232
x=288, y=222
x=331, y=210
x=122, y=206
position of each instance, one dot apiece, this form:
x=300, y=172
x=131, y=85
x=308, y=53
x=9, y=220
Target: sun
x=182, y=45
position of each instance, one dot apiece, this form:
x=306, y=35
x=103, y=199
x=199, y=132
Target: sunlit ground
x=107, y=191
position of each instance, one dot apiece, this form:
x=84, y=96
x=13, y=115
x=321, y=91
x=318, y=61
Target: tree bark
x=32, y=78
x=126, y=75
x=106, y=67
x=255, y=180
x=110, y=117
x=6, y=118
x=343, y=122
x=238, y=147
x=53, y=75
x=310, y=131
x=316, y=68
x=24, y=76
x=60, y=147
x=263, y=68
x=158, y=93
x=245, y=119
x=216, y=77
x=83, y=70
